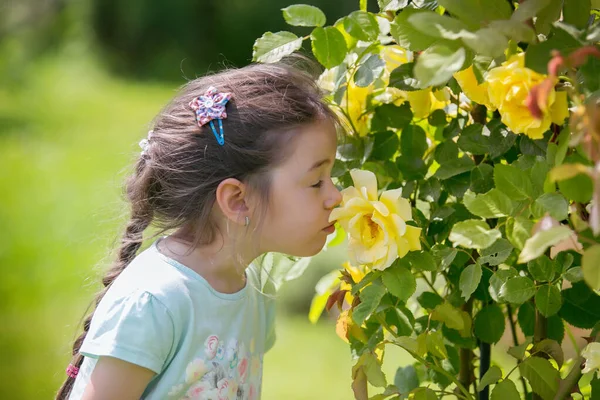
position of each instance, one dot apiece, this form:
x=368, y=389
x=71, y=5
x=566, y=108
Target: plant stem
x=484, y=365
x=465, y=374
x=513, y=331
x=539, y=334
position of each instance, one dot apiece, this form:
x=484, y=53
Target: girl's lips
x=330, y=229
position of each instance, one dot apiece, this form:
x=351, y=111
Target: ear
x=232, y=199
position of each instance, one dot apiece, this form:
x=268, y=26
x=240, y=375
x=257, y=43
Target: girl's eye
x=318, y=184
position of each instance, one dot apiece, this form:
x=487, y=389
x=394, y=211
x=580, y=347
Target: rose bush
x=471, y=205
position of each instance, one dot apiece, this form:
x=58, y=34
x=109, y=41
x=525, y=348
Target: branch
x=513, y=331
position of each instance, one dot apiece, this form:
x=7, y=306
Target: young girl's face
x=302, y=194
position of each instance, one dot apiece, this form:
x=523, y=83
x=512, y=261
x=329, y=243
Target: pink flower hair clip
x=209, y=107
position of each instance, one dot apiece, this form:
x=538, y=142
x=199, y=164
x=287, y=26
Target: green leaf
x=446, y=152
x=541, y=375
x=369, y=70
x=554, y=204
x=496, y=253
x=536, y=245
x=518, y=230
x=449, y=315
x=579, y=188
x=577, y=12
x=423, y=393
x=489, y=324
x=498, y=279
x=272, y=47
x=548, y=300
x=437, y=118
x=328, y=46
x=303, y=15
x=413, y=141
x=493, y=204
x=455, y=167
x=473, y=234
x=581, y=306
x=385, y=145
x=541, y=269
x=402, y=78
x=547, y=16
x=362, y=25
x=392, y=5
x=493, y=375
x=421, y=261
x=482, y=178
x=391, y=116
x=529, y=9
x=472, y=140
x=538, y=54
x=370, y=298
x=429, y=300
x=435, y=344
x=469, y=279
x=505, y=390
x=591, y=266
x=399, y=281
x=372, y=369
x=440, y=26
x=443, y=256
x=501, y=139
x=406, y=379
x=516, y=30
x=474, y=12
x=514, y=182
x=406, y=35
x=487, y=41
x=574, y=275
x=552, y=348
x=526, y=318
x=517, y=290
x=436, y=65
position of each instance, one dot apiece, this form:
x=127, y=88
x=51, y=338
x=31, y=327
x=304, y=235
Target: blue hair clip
x=209, y=107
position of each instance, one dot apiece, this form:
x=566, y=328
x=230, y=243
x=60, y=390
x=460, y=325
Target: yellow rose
x=591, y=353
x=376, y=227
x=474, y=90
x=508, y=88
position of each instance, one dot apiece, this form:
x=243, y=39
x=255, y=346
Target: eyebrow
x=319, y=163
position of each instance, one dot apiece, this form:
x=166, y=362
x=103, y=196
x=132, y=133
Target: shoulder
x=150, y=276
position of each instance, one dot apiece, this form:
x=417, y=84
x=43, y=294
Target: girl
x=238, y=164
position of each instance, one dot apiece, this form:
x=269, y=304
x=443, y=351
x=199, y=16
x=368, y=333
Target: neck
x=221, y=263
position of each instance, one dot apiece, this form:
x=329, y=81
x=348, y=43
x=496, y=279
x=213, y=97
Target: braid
x=141, y=218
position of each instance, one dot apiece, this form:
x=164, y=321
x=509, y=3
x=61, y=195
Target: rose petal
x=367, y=180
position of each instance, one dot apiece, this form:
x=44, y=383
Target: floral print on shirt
x=225, y=371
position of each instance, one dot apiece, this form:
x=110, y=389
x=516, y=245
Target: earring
x=247, y=221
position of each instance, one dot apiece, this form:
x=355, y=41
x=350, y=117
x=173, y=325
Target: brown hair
x=176, y=177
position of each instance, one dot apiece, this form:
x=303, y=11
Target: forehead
x=313, y=142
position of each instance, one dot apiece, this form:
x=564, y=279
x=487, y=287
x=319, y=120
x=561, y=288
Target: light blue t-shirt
x=202, y=344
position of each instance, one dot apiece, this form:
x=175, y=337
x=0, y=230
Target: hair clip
x=145, y=143
x=209, y=107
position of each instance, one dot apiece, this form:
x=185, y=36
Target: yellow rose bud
x=508, y=88
x=376, y=227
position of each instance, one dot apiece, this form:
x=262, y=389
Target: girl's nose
x=334, y=199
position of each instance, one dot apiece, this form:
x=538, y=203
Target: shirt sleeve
x=270, y=328
x=136, y=328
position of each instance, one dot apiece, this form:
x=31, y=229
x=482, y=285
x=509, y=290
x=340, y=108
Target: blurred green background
x=79, y=83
